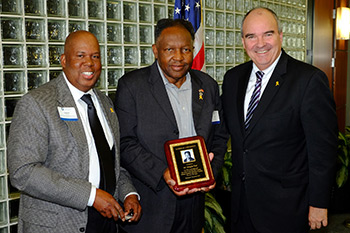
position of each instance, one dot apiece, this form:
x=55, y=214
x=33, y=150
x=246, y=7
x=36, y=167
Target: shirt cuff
x=92, y=196
x=133, y=193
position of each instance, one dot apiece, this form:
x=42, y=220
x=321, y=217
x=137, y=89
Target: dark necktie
x=106, y=157
x=254, y=100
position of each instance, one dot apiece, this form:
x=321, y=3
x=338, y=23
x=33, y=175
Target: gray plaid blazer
x=48, y=160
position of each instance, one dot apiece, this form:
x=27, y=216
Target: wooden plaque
x=188, y=162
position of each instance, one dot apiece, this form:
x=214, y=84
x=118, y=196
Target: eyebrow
x=267, y=32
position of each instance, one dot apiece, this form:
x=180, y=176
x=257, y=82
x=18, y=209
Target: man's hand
x=172, y=182
x=317, y=217
x=132, y=203
x=186, y=191
x=108, y=206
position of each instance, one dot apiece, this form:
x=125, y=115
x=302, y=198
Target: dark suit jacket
x=287, y=156
x=147, y=121
x=48, y=160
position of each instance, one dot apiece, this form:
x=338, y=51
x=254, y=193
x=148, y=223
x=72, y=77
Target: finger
x=313, y=226
x=193, y=190
x=171, y=182
x=137, y=213
x=181, y=193
x=212, y=186
x=211, y=156
x=119, y=212
x=325, y=222
x=318, y=225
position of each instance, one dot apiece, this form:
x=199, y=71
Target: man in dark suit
x=166, y=101
x=54, y=156
x=283, y=129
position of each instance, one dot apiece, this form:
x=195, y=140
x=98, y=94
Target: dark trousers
x=244, y=223
x=99, y=224
x=183, y=217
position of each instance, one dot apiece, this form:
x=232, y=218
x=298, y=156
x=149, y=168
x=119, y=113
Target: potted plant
x=217, y=202
x=340, y=201
x=343, y=157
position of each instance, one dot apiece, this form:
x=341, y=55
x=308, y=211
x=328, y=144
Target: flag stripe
x=191, y=10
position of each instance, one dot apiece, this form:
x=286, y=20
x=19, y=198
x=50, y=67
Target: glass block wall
x=33, y=32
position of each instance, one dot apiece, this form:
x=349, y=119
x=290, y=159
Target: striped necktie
x=254, y=100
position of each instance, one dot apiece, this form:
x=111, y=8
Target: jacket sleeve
x=219, y=138
x=320, y=126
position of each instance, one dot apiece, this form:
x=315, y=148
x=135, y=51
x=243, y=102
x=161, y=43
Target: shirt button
x=82, y=229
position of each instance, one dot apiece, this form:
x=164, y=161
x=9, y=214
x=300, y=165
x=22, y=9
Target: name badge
x=216, y=118
x=67, y=113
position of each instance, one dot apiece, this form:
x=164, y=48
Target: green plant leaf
x=216, y=208
x=208, y=219
x=226, y=176
x=218, y=227
x=342, y=176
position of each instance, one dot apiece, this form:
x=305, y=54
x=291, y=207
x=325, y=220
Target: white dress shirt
x=252, y=80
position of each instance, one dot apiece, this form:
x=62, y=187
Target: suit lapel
x=65, y=99
x=159, y=92
x=197, y=102
x=274, y=84
x=110, y=115
x=241, y=92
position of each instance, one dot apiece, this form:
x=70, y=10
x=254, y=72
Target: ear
x=63, y=61
x=281, y=37
x=243, y=42
x=155, y=51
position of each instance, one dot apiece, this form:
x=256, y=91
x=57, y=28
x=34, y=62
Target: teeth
x=88, y=73
x=262, y=51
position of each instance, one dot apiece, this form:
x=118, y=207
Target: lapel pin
x=277, y=83
x=201, y=93
x=111, y=110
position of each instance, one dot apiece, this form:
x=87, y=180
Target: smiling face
x=174, y=52
x=261, y=38
x=81, y=61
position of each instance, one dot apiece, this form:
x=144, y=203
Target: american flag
x=191, y=10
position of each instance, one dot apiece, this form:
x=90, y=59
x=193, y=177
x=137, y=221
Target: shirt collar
x=184, y=86
x=76, y=93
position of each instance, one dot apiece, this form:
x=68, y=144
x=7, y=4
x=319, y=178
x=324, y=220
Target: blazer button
x=245, y=151
x=82, y=229
x=242, y=176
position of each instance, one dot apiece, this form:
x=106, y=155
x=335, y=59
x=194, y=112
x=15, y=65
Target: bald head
x=261, y=11
x=77, y=36
x=81, y=60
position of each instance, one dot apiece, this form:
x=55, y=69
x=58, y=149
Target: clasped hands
x=108, y=207
x=186, y=191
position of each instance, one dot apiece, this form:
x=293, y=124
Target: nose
x=88, y=61
x=178, y=55
x=261, y=41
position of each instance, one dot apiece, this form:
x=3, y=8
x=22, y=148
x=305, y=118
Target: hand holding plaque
x=188, y=162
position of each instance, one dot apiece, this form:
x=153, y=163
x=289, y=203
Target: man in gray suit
x=166, y=101
x=54, y=159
